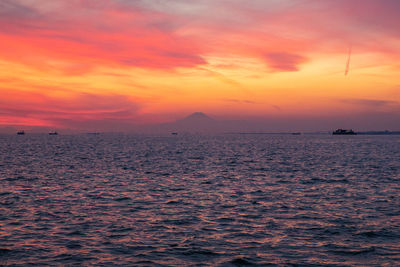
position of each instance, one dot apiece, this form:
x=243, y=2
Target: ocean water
x=199, y=200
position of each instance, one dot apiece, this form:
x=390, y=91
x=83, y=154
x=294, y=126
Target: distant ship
x=21, y=132
x=297, y=133
x=174, y=133
x=53, y=133
x=344, y=132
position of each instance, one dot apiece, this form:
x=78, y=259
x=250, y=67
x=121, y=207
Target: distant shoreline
x=379, y=133
x=240, y=133
x=322, y=133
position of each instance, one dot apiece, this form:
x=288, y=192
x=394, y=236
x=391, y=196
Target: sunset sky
x=89, y=64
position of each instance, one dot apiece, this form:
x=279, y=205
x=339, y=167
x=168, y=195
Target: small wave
x=205, y=252
x=144, y=263
x=225, y=220
x=75, y=233
x=5, y=251
x=378, y=234
x=120, y=229
x=353, y=251
x=185, y=221
x=177, y=189
x=119, y=199
x=73, y=245
x=344, y=181
x=242, y=262
x=11, y=179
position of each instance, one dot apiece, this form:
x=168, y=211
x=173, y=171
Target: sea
x=199, y=200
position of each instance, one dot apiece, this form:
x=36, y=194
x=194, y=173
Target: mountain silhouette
x=198, y=122
x=196, y=117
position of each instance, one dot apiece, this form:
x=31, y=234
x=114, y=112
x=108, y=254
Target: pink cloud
x=174, y=33
x=284, y=61
x=88, y=35
x=79, y=109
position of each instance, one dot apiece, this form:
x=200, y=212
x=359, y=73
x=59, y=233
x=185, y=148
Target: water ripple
x=224, y=200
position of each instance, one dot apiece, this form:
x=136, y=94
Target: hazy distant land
x=199, y=122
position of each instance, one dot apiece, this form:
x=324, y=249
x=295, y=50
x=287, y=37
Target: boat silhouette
x=344, y=132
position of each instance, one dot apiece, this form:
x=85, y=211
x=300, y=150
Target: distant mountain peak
x=196, y=119
x=198, y=116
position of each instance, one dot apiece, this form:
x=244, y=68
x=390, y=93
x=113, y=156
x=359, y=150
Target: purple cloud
x=284, y=61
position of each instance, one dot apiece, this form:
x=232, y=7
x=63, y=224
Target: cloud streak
x=60, y=112
x=348, y=62
x=370, y=102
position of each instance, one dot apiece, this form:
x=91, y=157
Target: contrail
x=348, y=63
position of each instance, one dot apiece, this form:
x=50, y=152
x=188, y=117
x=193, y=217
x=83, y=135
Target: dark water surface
x=187, y=200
